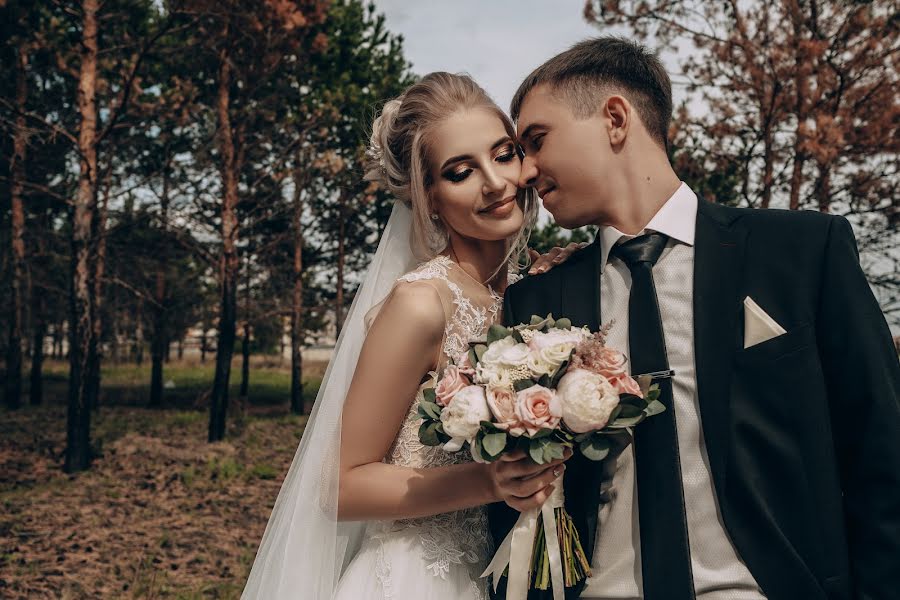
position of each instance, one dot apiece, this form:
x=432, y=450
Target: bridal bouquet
x=538, y=388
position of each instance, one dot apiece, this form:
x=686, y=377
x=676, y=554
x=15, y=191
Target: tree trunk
x=99, y=249
x=139, y=334
x=13, y=390
x=203, y=347
x=245, y=360
x=82, y=346
x=768, y=166
x=159, y=308
x=36, y=391
x=297, y=301
x=823, y=189
x=229, y=260
x=157, y=354
x=180, y=345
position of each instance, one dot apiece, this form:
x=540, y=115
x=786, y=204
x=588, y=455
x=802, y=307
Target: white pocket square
x=758, y=326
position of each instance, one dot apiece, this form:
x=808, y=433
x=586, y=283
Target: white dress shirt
x=719, y=573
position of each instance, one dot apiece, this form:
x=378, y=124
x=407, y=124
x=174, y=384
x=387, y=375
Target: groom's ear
x=618, y=114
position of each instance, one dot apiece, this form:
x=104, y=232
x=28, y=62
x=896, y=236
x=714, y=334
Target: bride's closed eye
x=462, y=172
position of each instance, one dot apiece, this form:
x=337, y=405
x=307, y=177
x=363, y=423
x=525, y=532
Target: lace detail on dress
x=461, y=538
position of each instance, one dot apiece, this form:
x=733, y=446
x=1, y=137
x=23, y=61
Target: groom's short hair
x=585, y=73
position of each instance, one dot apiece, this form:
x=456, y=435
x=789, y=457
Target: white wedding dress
x=439, y=557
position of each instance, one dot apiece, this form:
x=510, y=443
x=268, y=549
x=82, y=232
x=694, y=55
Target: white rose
x=506, y=353
x=463, y=415
x=493, y=374
x=587, y=400
x=555, y=337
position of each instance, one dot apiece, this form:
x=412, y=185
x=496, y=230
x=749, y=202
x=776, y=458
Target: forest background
x=183, y=225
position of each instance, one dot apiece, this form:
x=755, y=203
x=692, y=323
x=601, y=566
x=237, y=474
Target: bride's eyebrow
x=455, y=159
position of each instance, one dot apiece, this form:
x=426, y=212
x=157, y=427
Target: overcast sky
x=498, y=42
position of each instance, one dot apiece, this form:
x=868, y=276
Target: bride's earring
x=434, y=216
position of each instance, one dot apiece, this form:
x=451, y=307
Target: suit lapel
x=719, y=249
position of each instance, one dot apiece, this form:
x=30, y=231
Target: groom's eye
x=536, y=140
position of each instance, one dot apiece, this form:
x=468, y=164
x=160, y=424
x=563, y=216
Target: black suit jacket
x=803, y=430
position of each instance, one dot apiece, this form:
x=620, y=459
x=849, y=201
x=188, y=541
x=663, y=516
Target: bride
x=366, y=511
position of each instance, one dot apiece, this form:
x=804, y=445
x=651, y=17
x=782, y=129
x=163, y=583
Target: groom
x=775, y=470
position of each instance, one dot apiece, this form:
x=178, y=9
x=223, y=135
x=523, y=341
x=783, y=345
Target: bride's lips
x=501, y=208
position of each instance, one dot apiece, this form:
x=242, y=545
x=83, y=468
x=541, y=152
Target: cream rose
x=587, y=400
x=451, y=382
x=538, y=408
x=463, y=415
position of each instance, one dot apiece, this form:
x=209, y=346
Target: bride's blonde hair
x=397, y=158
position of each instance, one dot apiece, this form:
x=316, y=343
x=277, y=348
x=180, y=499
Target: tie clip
x=667, y=374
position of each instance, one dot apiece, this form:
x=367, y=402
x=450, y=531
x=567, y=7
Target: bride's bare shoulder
x=414, y=307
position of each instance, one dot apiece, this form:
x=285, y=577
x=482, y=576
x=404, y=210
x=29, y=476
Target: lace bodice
x=458, y=539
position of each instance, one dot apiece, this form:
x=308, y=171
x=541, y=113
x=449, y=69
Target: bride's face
x=474, y=171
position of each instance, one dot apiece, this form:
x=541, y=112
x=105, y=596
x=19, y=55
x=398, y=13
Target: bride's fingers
x=534, y=501
x=525, y=488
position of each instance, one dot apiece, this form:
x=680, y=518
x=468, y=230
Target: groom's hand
x=522, y=483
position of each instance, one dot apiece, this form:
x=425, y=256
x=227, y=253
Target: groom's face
x=567, y=159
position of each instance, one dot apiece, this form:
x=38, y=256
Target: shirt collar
x=676, y=218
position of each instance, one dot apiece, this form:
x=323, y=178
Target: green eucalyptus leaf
x=536, y=451
x=473, y=358
x=654, y=408
x=494, y=443
x=542, y=433
x=428, y=434
x=544, y=380
x=496, y=332
x=629, y=410
x=430, y=395
x=595, y=448
x=517, y=336
x=627, y=421
x=523, y=384
x=563, y=323
x=488, y=427
x=536, y=320
x=632, y=400
x=480, y=349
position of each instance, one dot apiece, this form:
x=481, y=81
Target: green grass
x=129, y=384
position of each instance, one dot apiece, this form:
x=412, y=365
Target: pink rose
x=538, y=408
x=626, y=385
x=608, y=362
x=451, y=382
x=502, y=402
x=465, y=367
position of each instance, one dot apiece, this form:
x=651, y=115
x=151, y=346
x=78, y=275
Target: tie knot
x=645, y=248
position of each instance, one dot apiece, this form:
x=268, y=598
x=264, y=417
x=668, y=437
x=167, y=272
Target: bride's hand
x=522, y=483
x=541, y=263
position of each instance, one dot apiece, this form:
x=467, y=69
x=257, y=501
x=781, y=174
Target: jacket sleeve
x=863, y=381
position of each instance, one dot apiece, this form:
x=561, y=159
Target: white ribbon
x=515, y=550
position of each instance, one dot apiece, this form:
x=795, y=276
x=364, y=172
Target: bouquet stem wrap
x=517, y=548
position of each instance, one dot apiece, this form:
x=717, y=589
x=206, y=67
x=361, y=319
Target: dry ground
x=161, y=514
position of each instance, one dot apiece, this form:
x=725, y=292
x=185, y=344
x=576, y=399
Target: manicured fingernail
x=542, y=269
x=532, y=271
x=557, y=260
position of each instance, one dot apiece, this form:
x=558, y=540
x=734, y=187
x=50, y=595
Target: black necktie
x=665, y=554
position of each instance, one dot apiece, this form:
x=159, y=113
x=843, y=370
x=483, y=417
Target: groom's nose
x=528, y=176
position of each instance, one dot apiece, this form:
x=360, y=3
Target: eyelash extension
x=462, y=175
x=456, y=177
